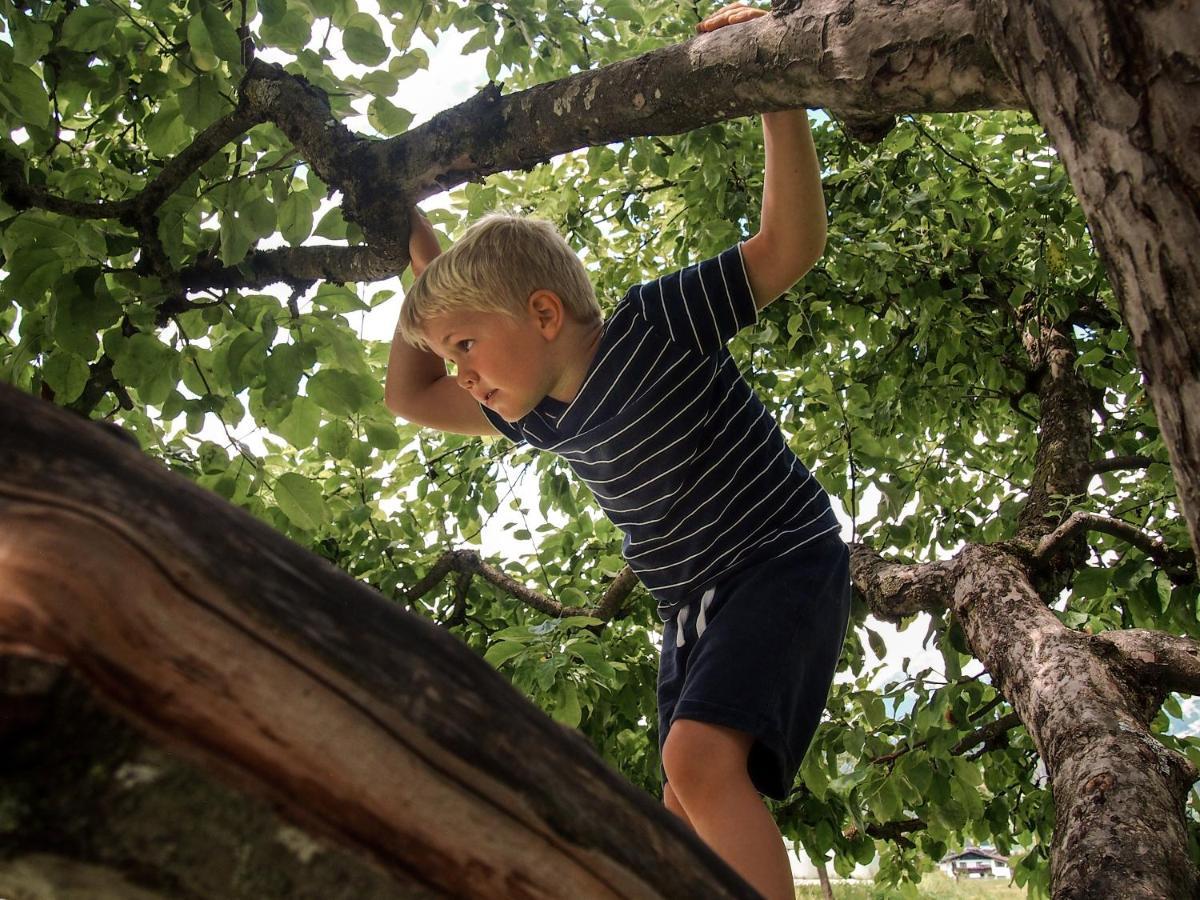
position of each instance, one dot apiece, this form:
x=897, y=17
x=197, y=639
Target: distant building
x=976, y=862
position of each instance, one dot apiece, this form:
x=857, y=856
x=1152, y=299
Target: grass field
x=935, y=886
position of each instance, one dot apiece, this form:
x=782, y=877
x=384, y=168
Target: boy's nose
x=466, y=380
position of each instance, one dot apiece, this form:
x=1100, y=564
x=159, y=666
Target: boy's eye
x=465, y=344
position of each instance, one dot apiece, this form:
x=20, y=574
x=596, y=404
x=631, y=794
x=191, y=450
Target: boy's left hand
x=730, y=15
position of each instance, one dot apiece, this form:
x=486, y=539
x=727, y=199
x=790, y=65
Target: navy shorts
x=757, y=652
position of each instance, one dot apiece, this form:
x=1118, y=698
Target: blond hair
x=495, y=267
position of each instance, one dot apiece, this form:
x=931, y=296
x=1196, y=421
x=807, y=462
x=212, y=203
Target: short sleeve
x=506, y=428
x=702, y=306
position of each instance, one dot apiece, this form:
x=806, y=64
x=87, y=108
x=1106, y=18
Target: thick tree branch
x=895, y=590
x=1178, y=566
x=818, y=56
x=1166, y=660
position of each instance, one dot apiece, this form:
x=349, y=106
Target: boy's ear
x=547, y=311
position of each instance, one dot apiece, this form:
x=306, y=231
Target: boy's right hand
x=731, y=14
x=422, y=242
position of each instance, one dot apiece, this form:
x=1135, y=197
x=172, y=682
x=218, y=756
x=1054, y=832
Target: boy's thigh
x=764, y=661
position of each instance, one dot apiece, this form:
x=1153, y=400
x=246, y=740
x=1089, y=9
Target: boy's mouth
x=490, y=394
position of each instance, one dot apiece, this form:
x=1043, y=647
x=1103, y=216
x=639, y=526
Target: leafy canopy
x=896, y=367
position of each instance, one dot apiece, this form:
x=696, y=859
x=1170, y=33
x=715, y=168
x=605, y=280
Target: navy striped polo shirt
x=673, y=442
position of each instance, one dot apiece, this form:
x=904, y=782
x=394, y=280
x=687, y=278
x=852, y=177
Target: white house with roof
x=976, y=862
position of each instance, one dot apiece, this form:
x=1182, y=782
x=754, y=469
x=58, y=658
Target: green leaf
x=334, y=439
x=383, y=437
x=81, y=307
x=221, y=32
x=236, y=238
x=387, y=118
x=566, y=708
x=67, y=375
x=147, y=365
x=200, y=43
x=201, y=103
x=23, y=94
x=408, y=64
x=299, y=427
x=89, y=28
x=296, y=217
x=343, y=393
x=301, y=501
x=290, y=31
x=362, y=40
x=30, y=275
x=502, y=651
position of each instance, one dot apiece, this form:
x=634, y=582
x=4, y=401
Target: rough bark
x=1086, y=701
x=861, y=61
x=1118, y=792
x=223, y=642
x=1117, y=86
x=92, y=808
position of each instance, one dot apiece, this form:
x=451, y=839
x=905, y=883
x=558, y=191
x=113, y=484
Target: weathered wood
x=220, y=640
x=91, y=808
x=1119, y=793
x=1116, y=86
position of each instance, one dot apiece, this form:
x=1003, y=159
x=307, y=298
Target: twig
x=1177, y=565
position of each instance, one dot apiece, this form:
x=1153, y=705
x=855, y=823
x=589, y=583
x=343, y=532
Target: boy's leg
x=707, y=774
x=671, y=802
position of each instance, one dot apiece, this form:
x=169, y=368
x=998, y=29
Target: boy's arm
x=418, y=389
x=791, y=235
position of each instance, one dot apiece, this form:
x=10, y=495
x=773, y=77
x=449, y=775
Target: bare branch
x=890, y=831
x=988, y=734
x=895, y=590
x=1177, y=565
x=297, y=266
x=931, y=64
x=469, y=563
x=1117, y=463
x=985, y=734
x=18, y=193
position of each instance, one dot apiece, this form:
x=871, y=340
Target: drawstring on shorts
x=681, y=617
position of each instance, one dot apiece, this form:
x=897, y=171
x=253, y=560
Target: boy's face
x=504, y=363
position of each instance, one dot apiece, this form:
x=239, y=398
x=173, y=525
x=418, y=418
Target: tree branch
x=895, y=590
x=469, y=563
x=890, y=831
x=297, y=266
x=1169, y=661
x=1178, y=566
x=1118, y=463
x=19, y=194
x=812, y=57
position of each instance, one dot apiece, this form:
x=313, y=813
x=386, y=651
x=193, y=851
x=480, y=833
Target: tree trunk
x=1115, y=84
x=823, y=874
x=221, y=650
x=1118, y=792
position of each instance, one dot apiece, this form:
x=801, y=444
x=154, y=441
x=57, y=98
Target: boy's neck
x=579, y=349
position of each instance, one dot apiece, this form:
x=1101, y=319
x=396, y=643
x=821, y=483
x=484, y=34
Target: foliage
x=896, y=368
